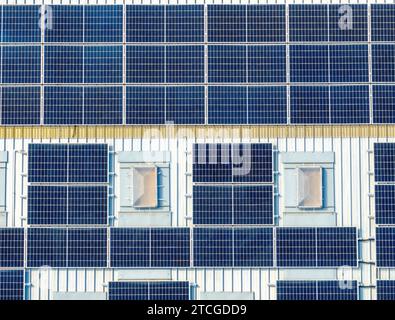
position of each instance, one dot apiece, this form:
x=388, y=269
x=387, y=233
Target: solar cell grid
x=227, y=64
x=11, y=247
x=169, y=290
x=383, y=22
x=266, y=64
x=383, y=102
x=385, y=290
x=384, y=160
x=384, y=196
x=128, y=290
x=296, y=290
x=266, y=23
x=185, y=64
x=383, y=62
x=337, y=290
x=11, y=285
x=227, y=23
x=385, y=247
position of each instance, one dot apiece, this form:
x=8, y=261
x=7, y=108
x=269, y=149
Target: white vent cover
x=309, y=187
x=145, y=187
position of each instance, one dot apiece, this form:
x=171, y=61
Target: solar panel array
x=385, y=290
x=317, y=290
x=233, y=184
x=11, y=284
x=148, y=290
x=255, y=72
x=385, y=247
x=67, y=184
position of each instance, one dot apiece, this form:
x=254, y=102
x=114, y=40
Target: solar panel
x=317, y=290
x=145, y=105
x=102, y=64
x=309, y=105
x=349, y=104
x=149, y=290
x=170, y=247
x=19, y=23
x=385, y=290
x=20, y=105
x=87, y=248
x=21, y=64
x=385, y=247
x=185, y=64
x=349, y=63
x=227, y=105
x=46, y=247
x=308, y=23
x=103, y=23
x=63, y=64
x=383, y=102
x=130, y=247
x=227, y=64
x=185, y=105
x=145, y=64
x=184, y=23
x=384, y=160
x=267, y=105
x=383, y=63
x=66, y=25
x=309, y=63
x=354, y=30
x=63, y=105
x=266, y=64
x=266, y=23
x=11, y=247
x=145, y=23
x=383, y=22
x=384, y=196
x=227, y=23
x=103, y=105
x=11, y=285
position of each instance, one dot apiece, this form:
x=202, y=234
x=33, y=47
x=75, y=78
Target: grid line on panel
x=385, y=289
x=11, y=285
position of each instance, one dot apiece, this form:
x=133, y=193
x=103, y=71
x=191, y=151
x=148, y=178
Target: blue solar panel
x=103, y=64
x=385, y=290
x=266, y=64
x=20, y=105
x=130, y=247
x=145, y=64
x=336, y=247
x=20, y=23
x=145, y=105
x=383, y=22
x=87, y=248
x=185, y=105
x=383, y=104
x=266, y=23
x=184, y=23
x=227, y=64
x=63, y=105
x=348, y=22
x=227, y=105
x=47, y=163
x=309, y=105
x=385, y=247
x=66, y=23
x=384, y=196
x=212, y=204
x=149, y=290
x=296, y=247
x=103, y=105
x=253, y=247
x=88, y=163
x=309, y=63
x=227, y=23
x=212, y=247
x=21, y=64
x=267, y=105
x=63, y=64
x=47, y=205
x=349, y=104
x=11, y=247
x=349, y=63
x=103, y=23
x=383, y=63
x=145, y=23
x=170, y=247
x=185, y=64
x=384, y=160
x=308, y=22
x=11, y=285
x=317, y=290
x=46, y=247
